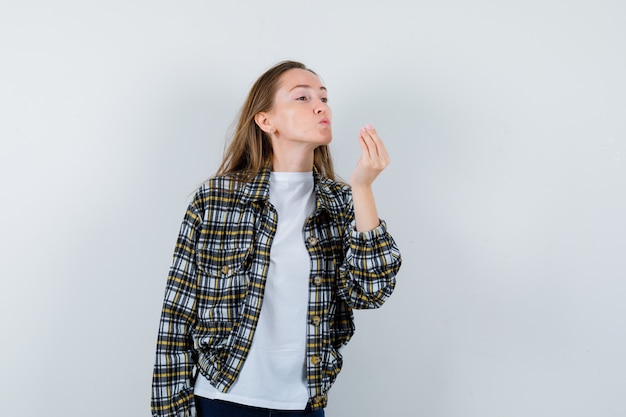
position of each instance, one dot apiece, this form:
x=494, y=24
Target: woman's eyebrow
x=306, y=86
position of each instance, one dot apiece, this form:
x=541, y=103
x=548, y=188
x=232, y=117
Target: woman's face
x=301, y=113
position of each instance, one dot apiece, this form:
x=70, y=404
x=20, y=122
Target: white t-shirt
x=273, y=375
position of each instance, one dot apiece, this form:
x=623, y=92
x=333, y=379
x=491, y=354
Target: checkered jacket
x=215, y=286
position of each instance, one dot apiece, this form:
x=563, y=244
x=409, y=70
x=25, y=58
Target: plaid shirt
x=216, y=282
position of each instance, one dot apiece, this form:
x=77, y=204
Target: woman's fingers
x=373, y=147
x=374, y=157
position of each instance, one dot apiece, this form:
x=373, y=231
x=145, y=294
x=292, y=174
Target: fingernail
x=370, y=127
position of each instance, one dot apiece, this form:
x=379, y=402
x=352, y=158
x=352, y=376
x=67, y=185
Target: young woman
x=272, y=256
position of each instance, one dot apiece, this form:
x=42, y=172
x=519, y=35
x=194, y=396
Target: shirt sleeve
x=172, y=383
x=367, y=276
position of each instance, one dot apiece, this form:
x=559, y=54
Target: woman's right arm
x=172, y=383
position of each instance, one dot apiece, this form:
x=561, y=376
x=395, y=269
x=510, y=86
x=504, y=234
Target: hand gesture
x=374, y=158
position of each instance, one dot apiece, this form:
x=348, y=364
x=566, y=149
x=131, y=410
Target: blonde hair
x=250, y=148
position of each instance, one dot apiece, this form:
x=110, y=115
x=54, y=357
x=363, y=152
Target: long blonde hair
x=250, y=148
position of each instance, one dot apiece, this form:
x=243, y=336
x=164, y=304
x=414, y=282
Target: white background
x=506, y=194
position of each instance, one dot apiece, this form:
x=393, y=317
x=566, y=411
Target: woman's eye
x=324, y=100
x=303, y=98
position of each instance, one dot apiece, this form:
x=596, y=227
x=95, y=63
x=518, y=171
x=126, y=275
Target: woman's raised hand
x=374, y=158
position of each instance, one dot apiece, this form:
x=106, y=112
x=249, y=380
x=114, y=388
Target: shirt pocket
x=223, y=277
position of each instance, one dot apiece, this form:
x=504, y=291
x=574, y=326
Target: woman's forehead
x=297, y=77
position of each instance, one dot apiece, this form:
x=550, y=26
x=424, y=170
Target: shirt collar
x=258, y=189
x=326, y=199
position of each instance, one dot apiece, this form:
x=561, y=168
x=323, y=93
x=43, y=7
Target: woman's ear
x=263, y=121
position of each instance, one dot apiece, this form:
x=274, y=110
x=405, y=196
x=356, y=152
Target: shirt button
x=312, y=240
x=225, y=269
x=315, y=360
x=316, y=320
x=317, y=280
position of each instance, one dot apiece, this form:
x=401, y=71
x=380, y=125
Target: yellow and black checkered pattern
x=217, y=279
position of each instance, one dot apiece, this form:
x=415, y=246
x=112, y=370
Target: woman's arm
x=374, y=159
x=172, y=388
x=367, y=276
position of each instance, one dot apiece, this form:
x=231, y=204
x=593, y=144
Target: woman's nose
x=321, y=107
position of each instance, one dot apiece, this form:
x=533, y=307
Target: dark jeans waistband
x=217, y=408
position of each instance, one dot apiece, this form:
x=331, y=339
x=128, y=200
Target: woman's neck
x=292, y=161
